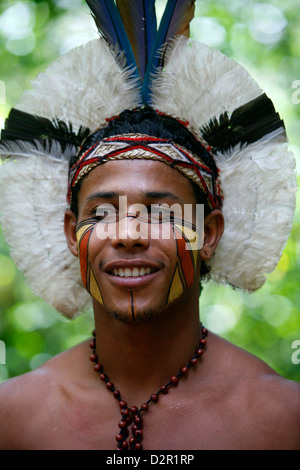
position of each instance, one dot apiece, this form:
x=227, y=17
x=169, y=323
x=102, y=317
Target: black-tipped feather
x=246, y=125
x=27, y=127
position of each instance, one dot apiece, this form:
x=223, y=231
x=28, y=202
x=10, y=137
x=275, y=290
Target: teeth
x=132, y=272
x=135, y=272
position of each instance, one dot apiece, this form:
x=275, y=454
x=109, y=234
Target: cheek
x=85, y=234
x=186, y=264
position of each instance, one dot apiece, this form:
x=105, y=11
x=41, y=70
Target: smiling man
x=152, y=376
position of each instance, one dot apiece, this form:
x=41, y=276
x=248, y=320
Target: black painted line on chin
x=132, y=305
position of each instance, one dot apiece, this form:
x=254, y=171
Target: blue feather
x=139, y=19
x=175, y=20
x=110, y=25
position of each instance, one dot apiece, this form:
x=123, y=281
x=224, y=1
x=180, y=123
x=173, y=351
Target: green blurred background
x=262, y=36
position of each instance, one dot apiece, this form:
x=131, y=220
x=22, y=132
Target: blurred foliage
x=265, y=38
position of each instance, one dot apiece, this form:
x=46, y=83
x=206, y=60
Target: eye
x=161, y=213
x=105, y=213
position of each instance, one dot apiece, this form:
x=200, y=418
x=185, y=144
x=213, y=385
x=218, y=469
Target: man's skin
x=229, y=400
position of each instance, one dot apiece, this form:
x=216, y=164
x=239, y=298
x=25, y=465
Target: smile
x=132, y=272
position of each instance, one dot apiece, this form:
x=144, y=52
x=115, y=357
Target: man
x=142, y=343
x=151, y=378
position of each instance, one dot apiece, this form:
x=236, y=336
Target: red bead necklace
x=132, y=416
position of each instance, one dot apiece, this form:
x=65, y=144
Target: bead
x=103, y=377
x=154, y=397
x=109, y=385
x=123, y=404
x=94, y=333
x=132, y=440
x=164, y=389
x=174, y=380
x=139, y=433
x=138, y=446
x=119, y=438
x=203, y=341
x=93, y=357
x=116, y=393
x=199, y=352
x=145, y=406
x=134, y=410
x=97, y=367
x=137, y=420
x=134, y=427
x=128, y=419
x=193, y=360
x=184, y=369
x=122, y=424
x=204, y=331
x=93, y=345
x=124, y=445
x=125, y=412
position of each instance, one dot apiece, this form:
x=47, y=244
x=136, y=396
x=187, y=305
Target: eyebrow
x=148, y=194
x=161, y=195
x=102, y=195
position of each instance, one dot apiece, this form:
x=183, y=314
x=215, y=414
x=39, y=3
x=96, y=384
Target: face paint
x=84, y=232
x=187, y=258
x=131, y=306
x=183, y=275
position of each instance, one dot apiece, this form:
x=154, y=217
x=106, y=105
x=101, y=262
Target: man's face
x=134, y=277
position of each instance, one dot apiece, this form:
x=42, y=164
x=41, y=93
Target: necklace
x=132, y=416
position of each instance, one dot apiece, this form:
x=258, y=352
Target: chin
x=140, y=313
x=133, y=317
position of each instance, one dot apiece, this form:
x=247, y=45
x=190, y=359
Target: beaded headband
x=141, y=146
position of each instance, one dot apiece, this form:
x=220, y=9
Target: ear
x=70, y=231
x=213, y=230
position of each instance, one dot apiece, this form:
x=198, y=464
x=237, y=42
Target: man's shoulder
x=29, y=399
x=21, y=400
x=272, y=402
x=259, y=398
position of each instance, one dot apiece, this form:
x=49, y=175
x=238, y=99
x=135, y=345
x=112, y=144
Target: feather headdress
x=135, y=62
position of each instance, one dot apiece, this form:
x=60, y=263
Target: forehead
x=135, y=178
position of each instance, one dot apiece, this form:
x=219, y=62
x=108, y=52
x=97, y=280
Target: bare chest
x=172, y=425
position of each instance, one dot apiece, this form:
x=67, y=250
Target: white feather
x=33, y=202
x=198, y=83
x=258, y=212
x=84, y=87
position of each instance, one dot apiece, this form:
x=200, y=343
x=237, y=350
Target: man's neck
x=139, y=357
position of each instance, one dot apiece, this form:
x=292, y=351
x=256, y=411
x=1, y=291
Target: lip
x=131, y=282
x=130, y=263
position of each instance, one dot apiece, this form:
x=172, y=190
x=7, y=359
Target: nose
x=132, y=232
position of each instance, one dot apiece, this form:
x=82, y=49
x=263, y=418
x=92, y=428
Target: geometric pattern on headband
x=141, y=146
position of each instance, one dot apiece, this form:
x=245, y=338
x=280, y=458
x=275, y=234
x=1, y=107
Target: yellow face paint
x=184, y=273
x=84, y=231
